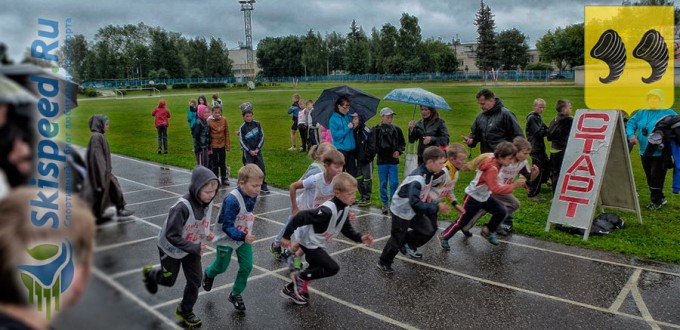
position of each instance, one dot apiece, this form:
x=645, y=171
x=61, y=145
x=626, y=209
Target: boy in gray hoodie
x=182, y=242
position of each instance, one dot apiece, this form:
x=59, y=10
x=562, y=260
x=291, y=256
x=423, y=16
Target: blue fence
x=456, y=76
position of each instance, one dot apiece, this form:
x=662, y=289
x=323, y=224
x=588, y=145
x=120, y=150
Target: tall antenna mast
x=246, y=8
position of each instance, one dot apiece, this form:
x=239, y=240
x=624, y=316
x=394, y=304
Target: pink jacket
x=326, y=134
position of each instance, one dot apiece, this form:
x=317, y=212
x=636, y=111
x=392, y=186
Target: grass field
x=132, y=133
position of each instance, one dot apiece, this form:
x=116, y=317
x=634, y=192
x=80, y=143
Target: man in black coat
x=493, y=125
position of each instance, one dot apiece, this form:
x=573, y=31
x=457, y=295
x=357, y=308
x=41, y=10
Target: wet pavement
x=522, y=283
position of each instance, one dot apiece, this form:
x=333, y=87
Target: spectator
x=493, y=125
x=342, y=132
x=428, y=131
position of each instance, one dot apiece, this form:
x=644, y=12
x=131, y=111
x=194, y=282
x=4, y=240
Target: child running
x=478, y=195
x=317, y=153
x=506, y=175
x=236, y=233
x=317, y=190
x=181, y=243
x=412, y=208
x=323, y=223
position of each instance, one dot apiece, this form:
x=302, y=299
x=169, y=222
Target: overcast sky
x=443, y=19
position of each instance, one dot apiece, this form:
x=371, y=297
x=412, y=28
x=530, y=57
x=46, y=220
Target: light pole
x=246, y=8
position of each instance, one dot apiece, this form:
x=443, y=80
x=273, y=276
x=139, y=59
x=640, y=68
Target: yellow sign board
x=628, y=54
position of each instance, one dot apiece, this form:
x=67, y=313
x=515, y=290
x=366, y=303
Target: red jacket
x=162, y=115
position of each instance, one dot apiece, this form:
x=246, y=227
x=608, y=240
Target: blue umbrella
x=364, y=104
x=417, y=96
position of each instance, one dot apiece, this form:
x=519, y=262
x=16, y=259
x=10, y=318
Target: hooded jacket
x=558, y=131
x=494, y=126
x=191, y=116
x=486, y=182
x=436, y=128
x=161, y=114
x=179, y=214
x=343, y=136
x=98, y=154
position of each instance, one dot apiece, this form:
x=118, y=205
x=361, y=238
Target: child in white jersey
x=317, y=190
x=506, y=175
x=478, y=195
x=316, y=152
x=181, y=243
x=236, y=233
x=321, y=224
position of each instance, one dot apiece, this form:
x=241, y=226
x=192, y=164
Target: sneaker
x=159, y=151
x=293, y=148
x=285, y=255
x=502, y=231
x=276, y=251
x=225, y=182
x=124, y=213
x=467, y=233
x=149, y=283
x=300, y=287
x=364, y=203
x=265, y=191
x=385, y=210
x=537, y=199
x=386, y=269
x=489, y=237
x=413, y=253
x=444, y=243
x=207, y=282
x=238, y=302
x=655, y=206
x=189, y=318
x=287, y=293
x=166, y=151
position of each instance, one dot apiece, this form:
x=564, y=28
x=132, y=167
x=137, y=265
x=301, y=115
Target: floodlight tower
x=246, y=8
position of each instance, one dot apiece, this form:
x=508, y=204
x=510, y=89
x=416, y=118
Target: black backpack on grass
x=603, y=224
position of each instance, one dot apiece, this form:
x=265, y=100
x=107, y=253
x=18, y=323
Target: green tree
x=356, y=50
x=197, y=54
x=513, y=49
x=375, y=51
x=76, y=54
x=219, y=64
x=437, y=57
x=409, y=42
x=487, y=49
x=388, y=46
x=564, y=47
x=335, y=43
x=314, y=54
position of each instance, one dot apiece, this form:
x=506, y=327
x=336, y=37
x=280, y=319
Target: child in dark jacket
x=412, y=208
x=388, y=142
x=558, y=133
x=251, y=138
x=220, y=143
x=181, y=243
x=536, y=132
x=201, y=132
x=364, y=159
x=162, y=115
x=320, y=225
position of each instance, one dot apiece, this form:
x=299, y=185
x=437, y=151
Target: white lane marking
x=118, y=287
x=151, y=201
x=632, y=282
x=642, y=307
x=117, y=245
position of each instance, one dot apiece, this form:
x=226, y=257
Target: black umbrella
x=364, y=104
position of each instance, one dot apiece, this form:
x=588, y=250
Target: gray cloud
x=437, y=18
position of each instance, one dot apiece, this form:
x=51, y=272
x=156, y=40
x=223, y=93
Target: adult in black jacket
x=429, y=131
x=493, y=125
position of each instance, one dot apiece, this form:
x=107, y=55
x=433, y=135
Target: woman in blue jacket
x=342, y=131
x=638, y=129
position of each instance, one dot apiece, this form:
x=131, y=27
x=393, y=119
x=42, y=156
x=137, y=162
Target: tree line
x=140, y=51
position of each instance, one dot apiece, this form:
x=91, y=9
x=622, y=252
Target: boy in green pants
x=236, y=221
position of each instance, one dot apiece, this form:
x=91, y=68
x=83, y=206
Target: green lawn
x=132, y=133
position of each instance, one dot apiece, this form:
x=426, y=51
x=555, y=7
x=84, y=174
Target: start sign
x=596, y=169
